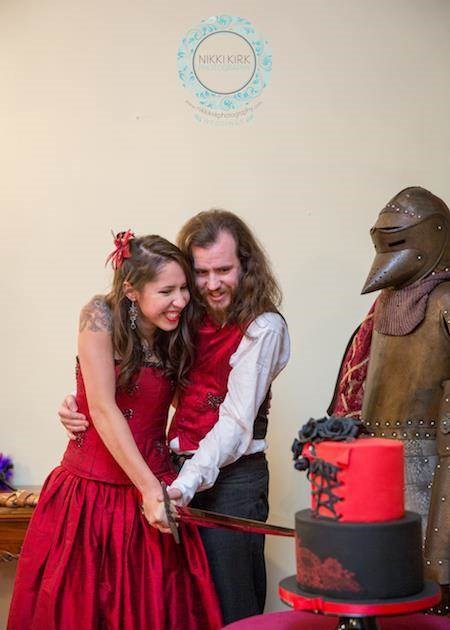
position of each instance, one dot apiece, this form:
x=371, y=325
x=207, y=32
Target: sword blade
x=170, y=517
x=236, y=523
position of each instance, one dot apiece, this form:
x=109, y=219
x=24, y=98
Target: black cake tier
x=359, y=560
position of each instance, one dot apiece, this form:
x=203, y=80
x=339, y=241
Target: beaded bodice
x=145, y=406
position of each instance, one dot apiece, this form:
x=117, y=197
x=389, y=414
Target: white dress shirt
x=261, y=355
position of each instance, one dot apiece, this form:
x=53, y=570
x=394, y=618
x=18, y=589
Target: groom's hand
x=72, y=421
x=174, y=494
x=176, y=498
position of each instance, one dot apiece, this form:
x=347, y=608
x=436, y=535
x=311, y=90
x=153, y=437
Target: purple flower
x=6, y=473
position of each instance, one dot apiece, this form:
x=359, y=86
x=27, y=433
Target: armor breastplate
x=403, y=387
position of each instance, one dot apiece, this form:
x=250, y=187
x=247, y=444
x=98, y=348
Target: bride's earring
x=133, y=315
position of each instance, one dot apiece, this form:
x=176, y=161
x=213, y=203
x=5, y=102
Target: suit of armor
x=407, y=390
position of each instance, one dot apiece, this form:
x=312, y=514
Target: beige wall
x=95, y=134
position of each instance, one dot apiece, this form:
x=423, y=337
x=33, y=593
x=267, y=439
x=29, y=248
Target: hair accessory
x=122, y=251
x=133, y=315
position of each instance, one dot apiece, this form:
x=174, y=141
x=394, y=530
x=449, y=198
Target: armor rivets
x=446, y=269
x=436, y=529
x=428, y=562
x=409, y=421
x=426, y=461
x=420, y=421
x=419, y=216
x=439, y=227
x=445, y=312
x=404, y=435
x=417, y=434
x=438, y=466
x=405, y=211
x=419, y=257
x=447, y=448
x=427, y=435
x=397, y=209
x=394, y=434
x=372, y=434
x=389, y=424
x=432, y=423
x=442, y=498
x=397, y=423
x=377, y=424
x=446, y=400
x=382, y=435
x=429, y=486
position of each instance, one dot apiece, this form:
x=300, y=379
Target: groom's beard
x=215, y=310
x=220, y=315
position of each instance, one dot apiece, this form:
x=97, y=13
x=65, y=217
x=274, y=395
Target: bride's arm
x=95, y=353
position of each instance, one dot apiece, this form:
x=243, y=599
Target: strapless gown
x=90, y=560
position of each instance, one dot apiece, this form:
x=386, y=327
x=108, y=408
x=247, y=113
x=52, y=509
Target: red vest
x=198, y=406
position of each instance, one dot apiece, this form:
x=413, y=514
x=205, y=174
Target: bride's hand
x=154, y=510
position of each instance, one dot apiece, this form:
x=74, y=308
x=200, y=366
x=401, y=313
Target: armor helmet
x=411, y=238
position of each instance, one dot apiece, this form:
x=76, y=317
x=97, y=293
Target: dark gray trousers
x=237, y=559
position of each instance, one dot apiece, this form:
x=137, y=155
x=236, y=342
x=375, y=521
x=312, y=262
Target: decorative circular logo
x=224, y=63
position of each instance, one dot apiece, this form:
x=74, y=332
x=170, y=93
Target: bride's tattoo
x=96, y=316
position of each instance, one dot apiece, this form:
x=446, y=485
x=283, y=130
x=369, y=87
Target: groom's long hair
x=258, y=291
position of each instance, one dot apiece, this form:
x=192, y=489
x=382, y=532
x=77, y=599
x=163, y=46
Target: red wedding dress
x=90, y=560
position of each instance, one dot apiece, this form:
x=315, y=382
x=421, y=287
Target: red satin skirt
x=90, y=561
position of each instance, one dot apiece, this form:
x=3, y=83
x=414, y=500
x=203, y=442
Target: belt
x=179, y=458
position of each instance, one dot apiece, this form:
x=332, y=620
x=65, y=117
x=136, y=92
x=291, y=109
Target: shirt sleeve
x=259, y=358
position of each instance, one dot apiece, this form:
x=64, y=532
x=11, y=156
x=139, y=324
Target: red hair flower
x=122, y=251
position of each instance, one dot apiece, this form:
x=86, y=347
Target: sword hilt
x=170, y=518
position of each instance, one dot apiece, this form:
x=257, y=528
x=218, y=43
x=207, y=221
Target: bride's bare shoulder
x=96, y=315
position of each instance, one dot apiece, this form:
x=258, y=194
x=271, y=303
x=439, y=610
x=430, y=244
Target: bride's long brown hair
x=175, y=349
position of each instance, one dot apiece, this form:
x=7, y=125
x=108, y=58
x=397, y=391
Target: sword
x=169, y=515
x=206, y=518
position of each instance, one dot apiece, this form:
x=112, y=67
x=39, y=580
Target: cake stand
x=359, y=614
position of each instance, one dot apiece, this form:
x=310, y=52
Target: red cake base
x=293, y=596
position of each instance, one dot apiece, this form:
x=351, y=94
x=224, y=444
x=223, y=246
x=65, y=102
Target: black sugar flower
x=334, y=429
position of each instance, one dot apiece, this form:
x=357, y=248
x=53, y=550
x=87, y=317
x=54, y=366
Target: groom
x=219, y=427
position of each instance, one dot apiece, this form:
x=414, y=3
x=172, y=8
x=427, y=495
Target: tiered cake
x=356, y=542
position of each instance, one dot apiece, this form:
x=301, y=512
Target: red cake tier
x=369, y=484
